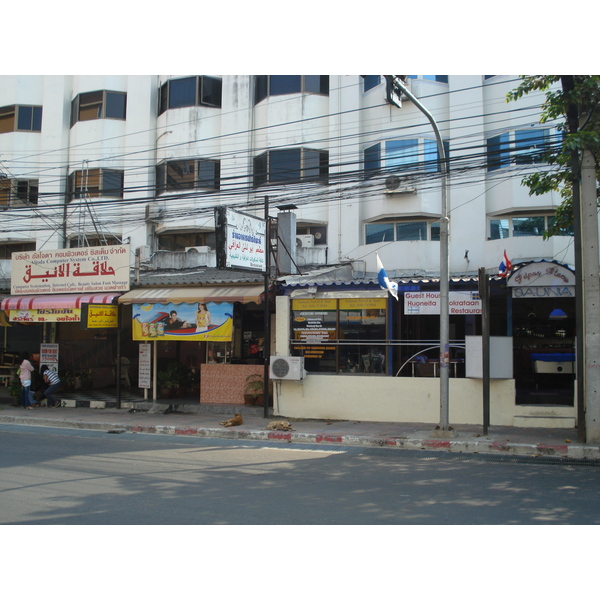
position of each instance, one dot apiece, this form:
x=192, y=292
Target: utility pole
x=444, y=425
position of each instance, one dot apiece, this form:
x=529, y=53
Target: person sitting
x=53, y=382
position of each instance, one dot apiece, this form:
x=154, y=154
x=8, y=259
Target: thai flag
x=505, y=266
x=384, y=282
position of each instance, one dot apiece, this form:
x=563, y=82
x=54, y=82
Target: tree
x=577, y=103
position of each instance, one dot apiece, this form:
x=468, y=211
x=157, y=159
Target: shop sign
x=71, y=271
x=145, y=368
x=100, y=316
x=543, y=292
x=45, y=315
x=49, y=356
x=428, y=303
x=193, y=322
x=241, y=240
x=541, y=274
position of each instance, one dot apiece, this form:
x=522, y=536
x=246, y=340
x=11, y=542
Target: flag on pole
x=384, y=282
x=505, y=266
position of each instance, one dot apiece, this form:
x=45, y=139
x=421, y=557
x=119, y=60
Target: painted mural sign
x=71, y=270
x=212, y=321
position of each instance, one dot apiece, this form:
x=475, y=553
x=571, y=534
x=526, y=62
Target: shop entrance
x=544, y=350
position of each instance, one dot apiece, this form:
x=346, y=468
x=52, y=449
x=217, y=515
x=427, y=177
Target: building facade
x=350, y=172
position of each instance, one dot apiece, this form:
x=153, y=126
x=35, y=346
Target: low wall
x=400, y=399
x=224, y=384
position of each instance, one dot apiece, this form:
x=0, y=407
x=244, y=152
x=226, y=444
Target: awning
x=190, y=295
x=56, y=301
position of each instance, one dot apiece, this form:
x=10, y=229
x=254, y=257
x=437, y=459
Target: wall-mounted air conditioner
x=198, y=248
x=287, y=367
x=305, y=241
x=396, y=185
x=143, y=252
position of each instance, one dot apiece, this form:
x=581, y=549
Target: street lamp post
x=444, y=262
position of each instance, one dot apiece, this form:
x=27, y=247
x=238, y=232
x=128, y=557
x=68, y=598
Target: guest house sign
x=71, y=271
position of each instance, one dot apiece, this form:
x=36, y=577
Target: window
x=438, y=78
x=340, y=335
x=370, y=81
x=98, y=105
x=521, y=147
x=20, y=118
x=521, y=226
x=402, y=231
x=279, y=85
x=85, y=241
x=498, y=152
x=199, y=90
x=291, y=166
x=18, y=192
x=178, y=175
x=95, y=183
x=178, y=242
x=6, y=250
x=403, y=155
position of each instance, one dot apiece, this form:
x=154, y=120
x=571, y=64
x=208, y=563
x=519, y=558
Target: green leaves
x=577, y=104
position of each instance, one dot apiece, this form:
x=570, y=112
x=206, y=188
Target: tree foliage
x=576, y=105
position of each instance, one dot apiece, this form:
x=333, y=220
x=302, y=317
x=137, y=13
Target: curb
x=570, y=451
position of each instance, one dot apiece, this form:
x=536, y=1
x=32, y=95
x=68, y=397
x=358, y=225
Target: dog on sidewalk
x=235, y=420
x=279, y=425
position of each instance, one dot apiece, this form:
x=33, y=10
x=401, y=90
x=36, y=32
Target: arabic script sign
x=241, y=239
x=71, y=271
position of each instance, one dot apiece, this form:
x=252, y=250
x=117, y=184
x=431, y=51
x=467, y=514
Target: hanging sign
x=99, y=316
x=241, y=240
x=45, y=315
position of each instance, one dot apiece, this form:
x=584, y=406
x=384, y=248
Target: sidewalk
x=467, y=438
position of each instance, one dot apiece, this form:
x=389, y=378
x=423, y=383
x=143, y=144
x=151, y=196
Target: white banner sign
x=145, y=367
x=428, y=303
x=49, y=356
x=71, y=271
x=246, y=241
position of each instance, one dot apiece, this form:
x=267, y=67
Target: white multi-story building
x=145, y=160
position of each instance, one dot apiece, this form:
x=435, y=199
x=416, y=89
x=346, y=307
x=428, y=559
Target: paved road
x=59, y=476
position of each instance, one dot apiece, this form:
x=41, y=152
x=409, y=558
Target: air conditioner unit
x=198, y=248
x=287, y=367
x=143, y=252
x=396, y=185
x=305, y=241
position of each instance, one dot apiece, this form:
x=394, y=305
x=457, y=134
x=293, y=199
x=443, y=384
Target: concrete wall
x=410, y=400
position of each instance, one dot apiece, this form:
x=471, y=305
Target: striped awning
x=56, y=301
x=190, y=295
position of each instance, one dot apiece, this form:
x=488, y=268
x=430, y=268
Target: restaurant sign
x=71, y=270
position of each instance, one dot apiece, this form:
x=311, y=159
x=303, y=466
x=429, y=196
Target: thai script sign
x=45, y=315
x=241, y=240
x=71, y=271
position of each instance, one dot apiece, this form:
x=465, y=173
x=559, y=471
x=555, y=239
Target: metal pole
x=444, y=267
x=267, y=327
x=484, y=293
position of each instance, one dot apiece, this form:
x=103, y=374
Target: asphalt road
x=75, y=477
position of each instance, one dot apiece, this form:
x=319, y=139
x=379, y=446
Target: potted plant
x=253, y=389
x=168, y=381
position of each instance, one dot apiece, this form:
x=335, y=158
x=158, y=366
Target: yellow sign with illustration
x=211, y=321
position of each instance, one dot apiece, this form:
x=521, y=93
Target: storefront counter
x=224, y=383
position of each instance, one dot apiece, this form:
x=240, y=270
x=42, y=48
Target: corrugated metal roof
x=198, y=276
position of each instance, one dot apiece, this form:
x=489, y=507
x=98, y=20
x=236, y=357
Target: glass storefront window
x=346, y=335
